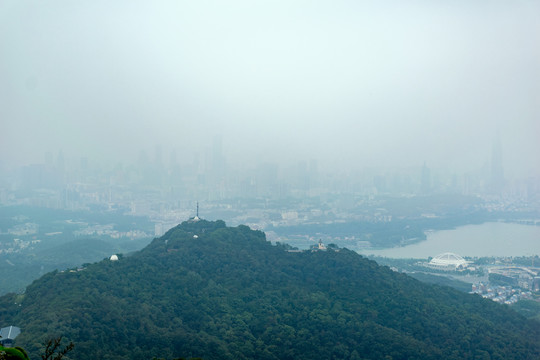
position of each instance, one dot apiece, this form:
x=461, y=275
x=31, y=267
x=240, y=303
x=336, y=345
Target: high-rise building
x=218, y=162
x=497, y=174
x=425, y=181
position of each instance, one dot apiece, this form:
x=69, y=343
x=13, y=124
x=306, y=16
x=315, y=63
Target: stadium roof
x=448, y=259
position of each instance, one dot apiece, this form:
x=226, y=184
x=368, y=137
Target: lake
x=488, y=239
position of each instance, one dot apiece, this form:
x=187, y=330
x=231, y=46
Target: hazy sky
x=351, y=83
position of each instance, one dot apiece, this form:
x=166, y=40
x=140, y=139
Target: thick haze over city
x=261, y=179
x=351, y=84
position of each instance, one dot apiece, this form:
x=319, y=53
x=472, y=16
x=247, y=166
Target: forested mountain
x=207, y=290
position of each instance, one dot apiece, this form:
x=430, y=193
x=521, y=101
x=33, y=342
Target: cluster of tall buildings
x=71, y=183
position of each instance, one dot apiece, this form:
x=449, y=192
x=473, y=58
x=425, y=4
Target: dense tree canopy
x=206, y=290
x=17, y=353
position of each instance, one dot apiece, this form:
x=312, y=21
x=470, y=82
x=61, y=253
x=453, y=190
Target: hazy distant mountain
x=210, y=291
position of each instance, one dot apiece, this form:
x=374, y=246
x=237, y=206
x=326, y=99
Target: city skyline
x=352, y=85
x=213, y=176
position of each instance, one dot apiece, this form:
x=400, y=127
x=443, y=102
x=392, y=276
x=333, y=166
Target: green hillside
x=227, y=293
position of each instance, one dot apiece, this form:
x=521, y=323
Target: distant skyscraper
x=84, y=163
x=313, y=171
x=172, y=158
x=425, y=181
x=143, y=159
x=157, y=156
x=60, y=161
x=49, y=159
x=497, y=174
x=60, y=167
x=218, y=166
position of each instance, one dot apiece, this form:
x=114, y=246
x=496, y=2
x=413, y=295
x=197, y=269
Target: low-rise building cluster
x=501, y=294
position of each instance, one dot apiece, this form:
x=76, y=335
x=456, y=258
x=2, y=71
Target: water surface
x=488, y=239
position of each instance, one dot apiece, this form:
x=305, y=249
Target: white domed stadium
x=448, y=261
